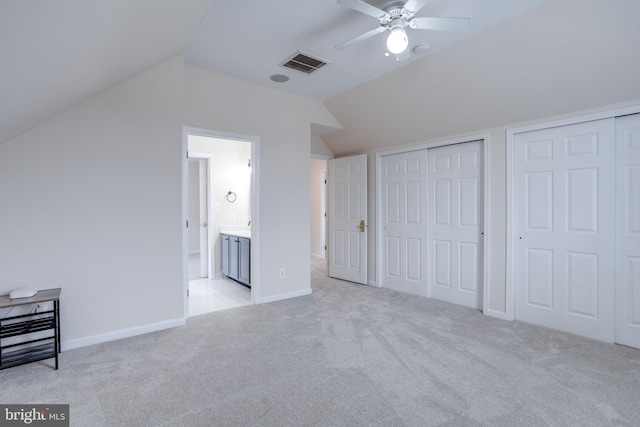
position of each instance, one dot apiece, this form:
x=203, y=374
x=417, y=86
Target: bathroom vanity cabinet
x=235, y=256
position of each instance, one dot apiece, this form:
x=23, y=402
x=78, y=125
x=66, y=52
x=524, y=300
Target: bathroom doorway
x=219, y=181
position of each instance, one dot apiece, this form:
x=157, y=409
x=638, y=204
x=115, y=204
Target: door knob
x=362, y=225
x=204, y=224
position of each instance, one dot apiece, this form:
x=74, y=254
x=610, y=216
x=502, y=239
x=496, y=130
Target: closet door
x=455, y=221
x=565, y=208
x=403, y=216
x=628, y=231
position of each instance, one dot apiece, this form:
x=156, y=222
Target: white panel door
x=347, y=218
x=627, y=329
x=455, y=223
x=403, y=219
x=564, y=214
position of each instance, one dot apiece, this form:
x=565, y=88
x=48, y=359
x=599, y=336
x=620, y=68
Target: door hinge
x=187, y=153
x=187, y=292
x=325, y=247
x=325, y=214
x=325, y=181
x=187, y=224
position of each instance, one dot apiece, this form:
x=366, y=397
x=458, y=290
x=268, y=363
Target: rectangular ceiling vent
x=305, y=63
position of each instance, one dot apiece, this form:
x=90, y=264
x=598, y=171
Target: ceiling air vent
x=305, y=63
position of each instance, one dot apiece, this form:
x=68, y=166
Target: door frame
x=323, y=211
x=206, y=159
x=510, y=282
x=255, y=211
x=485, y=140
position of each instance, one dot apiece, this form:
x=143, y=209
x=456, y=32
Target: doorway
x=219, y=192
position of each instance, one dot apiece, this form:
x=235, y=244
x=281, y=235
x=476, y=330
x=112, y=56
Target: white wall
x=91, y=203
x=230, y=172
x=319, y=148
x=282, y=122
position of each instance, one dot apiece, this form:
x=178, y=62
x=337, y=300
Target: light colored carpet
x=347, y=355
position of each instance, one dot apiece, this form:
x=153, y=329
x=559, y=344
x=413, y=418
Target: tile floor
x=207, y=295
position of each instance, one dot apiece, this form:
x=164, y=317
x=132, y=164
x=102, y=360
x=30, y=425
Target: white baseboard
x=497, y=314
x=122, y=333
x=281, y=297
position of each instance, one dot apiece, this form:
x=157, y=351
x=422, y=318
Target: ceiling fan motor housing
x=397, y=23
x=395, y=16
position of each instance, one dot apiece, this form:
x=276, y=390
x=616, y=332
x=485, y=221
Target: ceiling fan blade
x=362, y=7
x=435, y=23
x=415, y=5
x=359, y=38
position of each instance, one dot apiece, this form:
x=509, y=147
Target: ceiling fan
x=395, y=17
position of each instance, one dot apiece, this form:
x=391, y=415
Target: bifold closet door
x=455, y=221
x=404, y=221
x=564, y=222
x=628, y=235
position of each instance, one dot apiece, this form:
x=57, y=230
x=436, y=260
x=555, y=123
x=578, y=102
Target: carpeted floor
x=347, y=355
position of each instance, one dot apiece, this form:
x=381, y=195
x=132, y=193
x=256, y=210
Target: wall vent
x=305, y=63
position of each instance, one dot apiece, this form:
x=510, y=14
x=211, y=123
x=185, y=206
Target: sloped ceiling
x=251, y=39
x=561, y=57
x=59, y=53
x=520, y=61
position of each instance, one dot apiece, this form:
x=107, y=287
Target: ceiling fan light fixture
x=397, y=41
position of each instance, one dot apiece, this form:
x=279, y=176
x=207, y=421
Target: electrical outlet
x=283, y=273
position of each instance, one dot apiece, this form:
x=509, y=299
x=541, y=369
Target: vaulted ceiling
x=559, y=58
x=56, y=54
x=515, y=61
x=251, y=39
